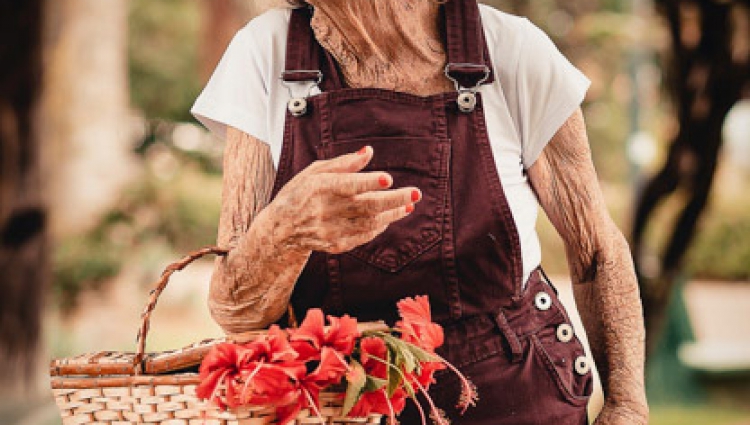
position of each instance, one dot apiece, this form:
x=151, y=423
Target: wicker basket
x=159, y=388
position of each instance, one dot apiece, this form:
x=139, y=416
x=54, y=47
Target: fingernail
x=415, y=196
x=362, y=151
x=383, y=180
x=410, y=208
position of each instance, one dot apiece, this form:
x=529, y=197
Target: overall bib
x=460, y=245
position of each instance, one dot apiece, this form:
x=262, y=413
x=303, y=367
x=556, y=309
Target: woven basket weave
x=159, y=388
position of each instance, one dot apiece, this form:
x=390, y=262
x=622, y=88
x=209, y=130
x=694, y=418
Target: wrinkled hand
x=331, y=206
x=613, y=414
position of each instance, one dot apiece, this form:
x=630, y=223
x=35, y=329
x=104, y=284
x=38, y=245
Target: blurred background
x=105, y=178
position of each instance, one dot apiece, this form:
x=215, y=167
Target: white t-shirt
x=535, y=91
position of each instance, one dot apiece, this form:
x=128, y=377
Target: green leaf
x=410, y=390
x=373, y=384
x=403, y=355
x=421, y=354
x=356, y=378
x=394, y=379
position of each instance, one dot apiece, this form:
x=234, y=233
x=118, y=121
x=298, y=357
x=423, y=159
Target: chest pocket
x=421, y=162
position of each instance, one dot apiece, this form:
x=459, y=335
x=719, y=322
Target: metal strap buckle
x=298, y=105
x=449, y=68
x=467, y=96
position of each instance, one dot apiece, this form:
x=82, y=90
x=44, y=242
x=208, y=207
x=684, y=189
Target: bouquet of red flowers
x=287, y=369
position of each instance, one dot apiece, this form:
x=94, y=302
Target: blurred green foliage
x=175, y=204
x=163, y=44
x=698, y=415
x=82, y=263
x=721, y=249
x=179, y=211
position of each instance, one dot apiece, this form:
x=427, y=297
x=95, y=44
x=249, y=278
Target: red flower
x=330, y=371
x=309, y=339
x=373, y=357
x=378, y=402
x=222, y=363
x=342, y=334
x=273, y=369
x=267, y=384
x=273, y=347
x=416, y=325
x=263, y=371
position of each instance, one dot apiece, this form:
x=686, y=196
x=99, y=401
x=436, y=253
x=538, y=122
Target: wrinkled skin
x=330, y=207
x=605, y=285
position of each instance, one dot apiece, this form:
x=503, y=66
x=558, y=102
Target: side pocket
x=559, y=360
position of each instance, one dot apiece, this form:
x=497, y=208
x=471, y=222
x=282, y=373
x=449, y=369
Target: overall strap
x=302, y=62
x=468, y=58
x=306, y=60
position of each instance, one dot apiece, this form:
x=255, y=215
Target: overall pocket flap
x=411, y=161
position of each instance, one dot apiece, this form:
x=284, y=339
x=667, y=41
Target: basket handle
x=156, y=292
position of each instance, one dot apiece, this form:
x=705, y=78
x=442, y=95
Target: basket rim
x=82, y=383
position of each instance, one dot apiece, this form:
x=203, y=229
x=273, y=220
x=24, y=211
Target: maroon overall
x=460, y=245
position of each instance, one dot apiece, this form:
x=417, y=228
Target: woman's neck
x=390, y=44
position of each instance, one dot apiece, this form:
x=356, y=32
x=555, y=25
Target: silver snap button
x=564, y=333
x=467, y=101
x=298, y=106
x=542, y=301
x=582, y=365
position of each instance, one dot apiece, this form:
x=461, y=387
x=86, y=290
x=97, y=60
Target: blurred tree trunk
x=23, y=248
x=85, y=117
x=707, y=75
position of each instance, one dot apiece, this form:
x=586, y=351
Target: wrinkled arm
x=330, y=206
x=251, y=286
x=604, y=280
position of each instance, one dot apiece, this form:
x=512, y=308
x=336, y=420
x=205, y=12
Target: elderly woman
x=378, y=149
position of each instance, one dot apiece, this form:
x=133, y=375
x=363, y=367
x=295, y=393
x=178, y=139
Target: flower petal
x=342, y=333
x=374, y=347
x=416, y=310
x=310, y=336
x=330, y=370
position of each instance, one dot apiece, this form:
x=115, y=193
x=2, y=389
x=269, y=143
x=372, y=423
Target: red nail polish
x=383, y=180
x=415, y=195
x=362, y=151
x=410, y=208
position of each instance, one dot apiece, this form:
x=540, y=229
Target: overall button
x=564, y=333
x=582, y=365
x=467, y=101
x=298, y=106
x=542, y=301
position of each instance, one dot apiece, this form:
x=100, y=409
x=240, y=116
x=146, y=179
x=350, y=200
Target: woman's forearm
x=605, y=285
x=250, y=287
x=612, y=315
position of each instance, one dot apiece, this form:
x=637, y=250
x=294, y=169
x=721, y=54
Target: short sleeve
x=236, y=94
x=549, y=88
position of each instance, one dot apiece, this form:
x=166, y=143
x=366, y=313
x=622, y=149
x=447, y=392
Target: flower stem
x=311, y=402
x=469, y=395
